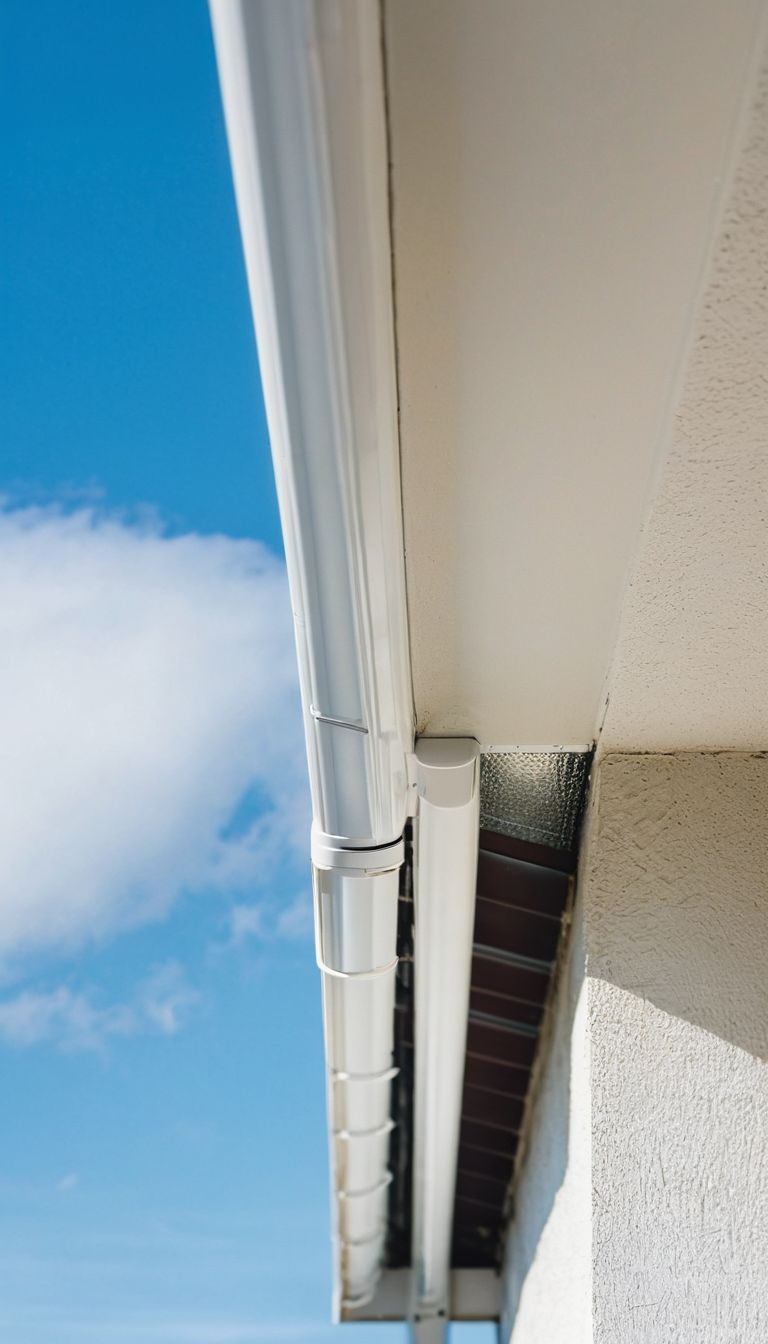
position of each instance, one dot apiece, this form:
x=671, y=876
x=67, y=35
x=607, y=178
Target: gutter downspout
x=303, y=93
x=445, y=878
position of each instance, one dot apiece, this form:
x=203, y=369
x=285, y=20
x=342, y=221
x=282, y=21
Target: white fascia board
x=303, y=93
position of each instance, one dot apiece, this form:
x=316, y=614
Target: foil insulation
x=535, y=796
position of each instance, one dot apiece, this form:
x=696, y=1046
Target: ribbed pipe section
x=356, y=933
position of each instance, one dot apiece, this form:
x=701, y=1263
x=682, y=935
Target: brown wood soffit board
x=522, y=892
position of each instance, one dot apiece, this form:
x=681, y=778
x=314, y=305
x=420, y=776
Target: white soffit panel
x=557, y=175
x=690, y=667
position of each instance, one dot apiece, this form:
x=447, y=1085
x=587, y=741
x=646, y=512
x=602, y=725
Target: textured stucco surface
x=676, y=888
x=676, y=913
x=547, y=1276
x=674, y=909
x=690, y=666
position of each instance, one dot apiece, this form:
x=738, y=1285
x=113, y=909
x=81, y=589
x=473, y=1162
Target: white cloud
x=68, y=1182
x=61, y=1015
x=266, y=921
x=295, y=920
x=166, y=999
x=73, y=1022
x=245, y=921
x=146, y=683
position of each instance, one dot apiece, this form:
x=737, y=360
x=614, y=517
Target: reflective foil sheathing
x=533, y=795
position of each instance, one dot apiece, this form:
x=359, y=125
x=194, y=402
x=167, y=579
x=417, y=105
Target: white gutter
x=302, y=85
x=303, y=93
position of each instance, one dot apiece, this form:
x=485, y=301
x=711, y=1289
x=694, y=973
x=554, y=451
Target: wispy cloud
x=166, y=999
x=146, y=684
x=74, y=1022
x=61, y=1015
x=295, y=920
x=266, y=921
x=246, y=921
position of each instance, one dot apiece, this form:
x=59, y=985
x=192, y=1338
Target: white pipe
x=445, y=875
x=303, y=93
x=356, y=927
x=302, y=85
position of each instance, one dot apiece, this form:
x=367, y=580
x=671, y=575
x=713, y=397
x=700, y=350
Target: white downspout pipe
x=356, y=899
x=303, y=93
x=445, y=877
x=302, y=85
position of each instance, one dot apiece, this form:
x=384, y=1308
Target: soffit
x=557, y=176
x=690, y=666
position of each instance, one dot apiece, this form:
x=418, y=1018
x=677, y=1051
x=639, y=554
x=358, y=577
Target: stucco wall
x=674, y=905
x=547, y=1294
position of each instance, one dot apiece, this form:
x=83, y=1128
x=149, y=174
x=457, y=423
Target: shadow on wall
x=676, y=915
x=642, y=1201
x=553, y=1167
x=676, y=901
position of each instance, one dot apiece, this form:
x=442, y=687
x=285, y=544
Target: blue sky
x=162, y=1134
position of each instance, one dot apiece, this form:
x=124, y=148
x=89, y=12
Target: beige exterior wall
x=662, y=1096
x=547, y=1292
